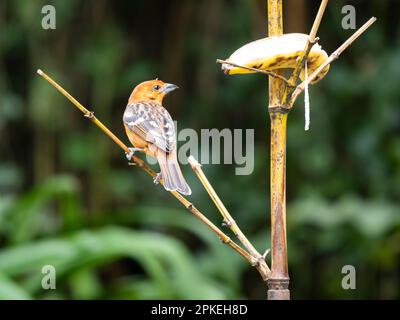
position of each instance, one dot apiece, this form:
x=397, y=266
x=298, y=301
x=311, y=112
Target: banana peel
x=277, y=52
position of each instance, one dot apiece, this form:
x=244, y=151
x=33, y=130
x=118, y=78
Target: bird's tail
x=171, y=173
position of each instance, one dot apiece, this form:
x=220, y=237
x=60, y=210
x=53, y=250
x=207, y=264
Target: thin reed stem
x=266, y=72
x=258, y=259
x=334, y=56
x=312, y=40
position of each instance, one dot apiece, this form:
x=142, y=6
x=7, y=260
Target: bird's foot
x=131, y=153
x=157, y=178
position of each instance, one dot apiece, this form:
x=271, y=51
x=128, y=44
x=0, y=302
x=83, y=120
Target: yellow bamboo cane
x=279, y=278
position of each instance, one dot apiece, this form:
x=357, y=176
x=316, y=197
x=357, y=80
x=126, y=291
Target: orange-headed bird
x=151, y=129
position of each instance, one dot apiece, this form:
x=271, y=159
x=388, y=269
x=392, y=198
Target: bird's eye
x=156, y=87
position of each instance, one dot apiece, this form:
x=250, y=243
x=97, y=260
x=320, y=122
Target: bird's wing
x=151, y=122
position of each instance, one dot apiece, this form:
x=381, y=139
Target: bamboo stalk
x=279, y=278
x=278, y=282
x=259, y=260
x=140, y=163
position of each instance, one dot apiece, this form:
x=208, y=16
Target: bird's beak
x=168, y=87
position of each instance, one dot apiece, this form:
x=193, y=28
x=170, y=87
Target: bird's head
x=152, y=90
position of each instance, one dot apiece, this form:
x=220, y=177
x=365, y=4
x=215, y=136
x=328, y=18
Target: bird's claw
x=131, y=153
x=157, y=178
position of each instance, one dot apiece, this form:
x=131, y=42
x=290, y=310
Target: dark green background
x=69, y=199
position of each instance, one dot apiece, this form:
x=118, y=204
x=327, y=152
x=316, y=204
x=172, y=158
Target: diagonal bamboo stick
x=264, y=271
x=317, y=21
x=334, y=56
x=312, y=40
x=259, y=260
x=266, y=72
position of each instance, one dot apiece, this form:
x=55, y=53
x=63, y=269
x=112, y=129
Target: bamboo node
x=279, y=109
x=89, y=115
x=190, y=206
x=225, y=240
x=278, y=284
x=315, y=40
x=255, y=262
x=228, y=223
x=335, y=55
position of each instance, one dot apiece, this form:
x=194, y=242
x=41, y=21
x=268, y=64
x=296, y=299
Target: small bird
x=151, y=130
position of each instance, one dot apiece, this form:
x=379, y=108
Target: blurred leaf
x=11, y=291
x=92, y=248
x=25, y=216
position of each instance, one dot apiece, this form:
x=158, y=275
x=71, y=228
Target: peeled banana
x=277, y=52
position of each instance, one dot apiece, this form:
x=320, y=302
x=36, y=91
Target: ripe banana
x=277, y=52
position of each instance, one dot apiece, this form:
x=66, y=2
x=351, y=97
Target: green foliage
x=170, y=272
